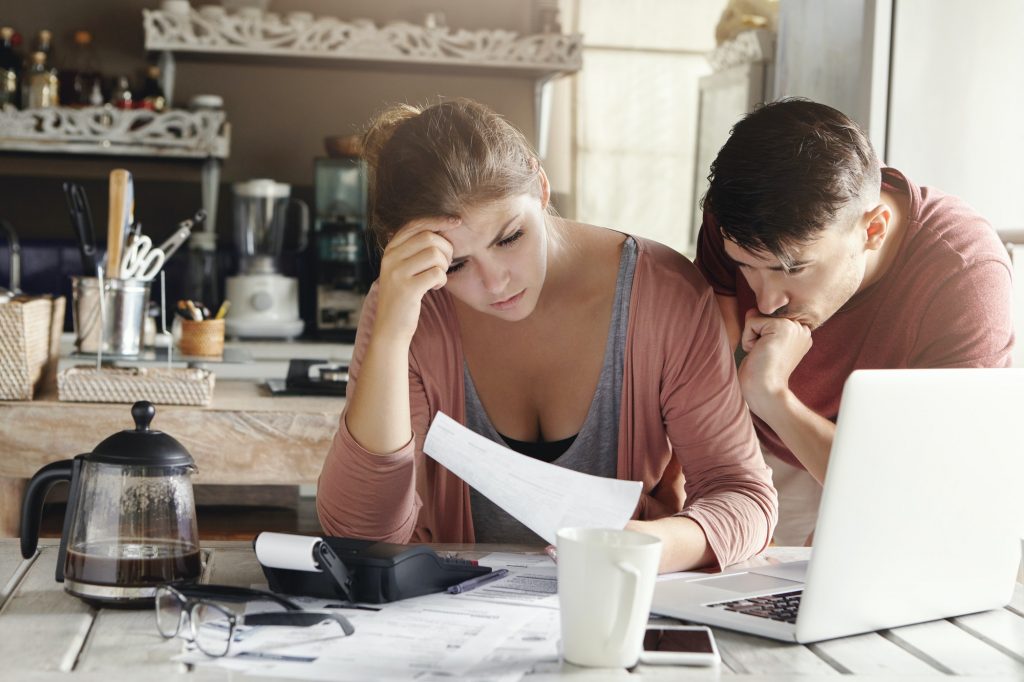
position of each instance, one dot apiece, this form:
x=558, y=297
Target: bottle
x=44, y=44
x=121, y=97
x=40, y=88
x=151, y=96
x=10, y=71
x=80, y=79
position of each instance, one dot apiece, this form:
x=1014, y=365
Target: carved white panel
x=299, y=34
x=104, y=130
x=746, y=48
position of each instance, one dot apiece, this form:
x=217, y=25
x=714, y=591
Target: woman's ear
x=545, y=187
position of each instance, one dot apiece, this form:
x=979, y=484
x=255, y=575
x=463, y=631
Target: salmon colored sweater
x=684, y=430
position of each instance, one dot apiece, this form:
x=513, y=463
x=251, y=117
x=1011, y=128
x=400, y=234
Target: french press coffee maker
x=130, y=524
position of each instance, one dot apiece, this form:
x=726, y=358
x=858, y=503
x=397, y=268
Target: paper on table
x=409, y=639
x=543, y=497
x=532, y=580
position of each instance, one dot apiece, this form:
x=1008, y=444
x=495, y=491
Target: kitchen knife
x=117, y=217
x=88, y=230
x=86, y=246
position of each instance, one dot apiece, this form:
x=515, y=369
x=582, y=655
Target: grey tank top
x=595, y=450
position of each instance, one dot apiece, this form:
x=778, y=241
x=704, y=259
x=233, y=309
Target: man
x=824, y=262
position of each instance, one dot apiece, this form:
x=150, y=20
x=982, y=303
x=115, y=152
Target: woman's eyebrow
x=497, y=237
x=501, y=231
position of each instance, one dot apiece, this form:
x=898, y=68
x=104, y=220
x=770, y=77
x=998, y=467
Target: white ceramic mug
x=605, y=586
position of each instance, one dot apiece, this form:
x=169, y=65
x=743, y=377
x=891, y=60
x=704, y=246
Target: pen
x=473, y=583
x=193, y=311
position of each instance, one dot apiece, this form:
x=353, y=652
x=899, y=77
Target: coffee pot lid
x=141, y=446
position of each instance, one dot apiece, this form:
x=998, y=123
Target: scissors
x=174, y=242
x=141, y=260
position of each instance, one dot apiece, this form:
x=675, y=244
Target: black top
x=544, y=451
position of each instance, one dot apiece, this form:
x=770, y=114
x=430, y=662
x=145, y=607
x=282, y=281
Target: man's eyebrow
x=774, y=268
x=795, y=265
x=497, y=237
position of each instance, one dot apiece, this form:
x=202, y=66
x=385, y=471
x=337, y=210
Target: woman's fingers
x=422, y=241
x=420, y=262
x=437, y=225
x=415, y=261
x=433, y=278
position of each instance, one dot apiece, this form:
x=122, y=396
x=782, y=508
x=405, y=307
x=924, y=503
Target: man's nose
x=770, y=299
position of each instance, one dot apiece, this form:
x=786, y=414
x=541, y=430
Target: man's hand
x=774, y=347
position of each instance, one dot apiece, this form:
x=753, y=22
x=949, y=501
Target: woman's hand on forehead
x=438, y=224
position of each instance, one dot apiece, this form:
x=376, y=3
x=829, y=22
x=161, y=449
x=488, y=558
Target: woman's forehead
x=482, y=217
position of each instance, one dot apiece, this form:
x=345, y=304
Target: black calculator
x=380, y=572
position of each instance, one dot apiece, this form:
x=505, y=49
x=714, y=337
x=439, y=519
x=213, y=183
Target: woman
x=550, y=336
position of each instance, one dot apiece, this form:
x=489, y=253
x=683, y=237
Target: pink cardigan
x=682, y=415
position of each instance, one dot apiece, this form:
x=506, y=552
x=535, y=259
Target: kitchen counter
x=245, y=437
x=257, y=360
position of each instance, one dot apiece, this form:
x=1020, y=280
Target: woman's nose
x=494, y=278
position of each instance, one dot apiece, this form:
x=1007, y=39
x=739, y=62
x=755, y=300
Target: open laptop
x=921, y=516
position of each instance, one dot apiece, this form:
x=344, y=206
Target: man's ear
x=878, y=221
x=545, y=187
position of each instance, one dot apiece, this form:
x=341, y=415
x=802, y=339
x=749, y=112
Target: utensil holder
x=204, y=338
x=120, y=328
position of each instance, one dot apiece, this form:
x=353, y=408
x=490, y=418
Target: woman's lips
x=509, y=302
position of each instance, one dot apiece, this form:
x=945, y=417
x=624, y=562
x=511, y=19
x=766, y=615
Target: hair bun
x=383, y=127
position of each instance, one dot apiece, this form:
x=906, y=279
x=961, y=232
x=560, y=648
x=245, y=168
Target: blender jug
x=264, y=302
x=131, y=521
x=260, y=219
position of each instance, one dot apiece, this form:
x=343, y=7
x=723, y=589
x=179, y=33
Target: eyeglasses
x=212, y=627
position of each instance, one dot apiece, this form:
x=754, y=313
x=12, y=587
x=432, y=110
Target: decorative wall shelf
x=179, y=28
x=212, y=29
x=108, y=131
x=175, y=134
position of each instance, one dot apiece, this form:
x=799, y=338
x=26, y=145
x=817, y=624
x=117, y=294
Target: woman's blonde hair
x=440, y=160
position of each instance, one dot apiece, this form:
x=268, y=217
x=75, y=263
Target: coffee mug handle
x=627, y=599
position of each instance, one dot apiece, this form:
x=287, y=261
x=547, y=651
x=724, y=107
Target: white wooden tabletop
x=46, y=633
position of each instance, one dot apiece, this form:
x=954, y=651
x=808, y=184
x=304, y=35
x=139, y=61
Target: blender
x=264, y=303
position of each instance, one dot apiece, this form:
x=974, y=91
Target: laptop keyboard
x=781, y=607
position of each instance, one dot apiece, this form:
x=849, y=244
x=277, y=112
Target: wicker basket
x=29, y=343
x=203, y=338
x=162, y=386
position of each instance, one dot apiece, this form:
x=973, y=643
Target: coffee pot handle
x=627, y=599
x=303, y=225
x=32, y=503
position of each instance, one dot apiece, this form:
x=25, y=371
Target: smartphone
x=679, y=645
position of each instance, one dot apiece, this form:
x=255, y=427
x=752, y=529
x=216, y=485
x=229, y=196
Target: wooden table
x=245, y=437
x=45, y=632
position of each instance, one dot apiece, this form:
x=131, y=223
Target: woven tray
x=161, y=386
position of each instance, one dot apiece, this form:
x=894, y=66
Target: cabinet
x=936, y=83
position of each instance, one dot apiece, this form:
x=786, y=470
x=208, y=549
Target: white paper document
x=532, y=580
x=542, y=496
x=429, y=637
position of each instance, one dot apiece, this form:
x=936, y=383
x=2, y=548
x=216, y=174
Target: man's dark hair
x=787, y=171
